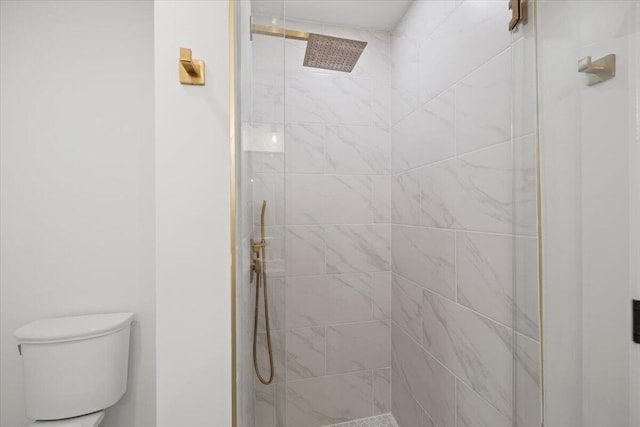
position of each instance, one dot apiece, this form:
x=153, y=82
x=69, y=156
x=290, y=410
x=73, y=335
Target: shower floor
x=385, y=420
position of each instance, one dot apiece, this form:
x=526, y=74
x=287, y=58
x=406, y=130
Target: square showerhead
x=332, y=53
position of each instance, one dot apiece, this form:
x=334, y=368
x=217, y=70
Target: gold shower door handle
x=516, y=13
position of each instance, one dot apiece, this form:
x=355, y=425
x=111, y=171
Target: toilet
x=74, y=367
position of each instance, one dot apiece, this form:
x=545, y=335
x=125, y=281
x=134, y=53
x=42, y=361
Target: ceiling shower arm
x=279, y=32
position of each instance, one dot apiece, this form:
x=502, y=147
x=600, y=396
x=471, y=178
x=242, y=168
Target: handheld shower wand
x=258, y=266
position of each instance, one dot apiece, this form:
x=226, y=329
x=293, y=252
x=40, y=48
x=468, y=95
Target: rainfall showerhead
x=327, y=52
x=332, y=53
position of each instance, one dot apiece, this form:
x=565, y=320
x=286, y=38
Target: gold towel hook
x=191, y=71
x=599, y=70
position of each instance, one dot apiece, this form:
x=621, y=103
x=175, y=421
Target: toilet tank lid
x=72, y=328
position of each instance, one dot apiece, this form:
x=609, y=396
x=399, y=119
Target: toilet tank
x=74, y=365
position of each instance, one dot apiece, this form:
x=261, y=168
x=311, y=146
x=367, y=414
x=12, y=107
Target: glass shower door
x=261, y=204
x=589, y=182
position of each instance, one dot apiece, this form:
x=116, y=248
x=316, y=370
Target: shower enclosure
x=451, y=229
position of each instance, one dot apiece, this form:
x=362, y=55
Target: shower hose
x=259, y=267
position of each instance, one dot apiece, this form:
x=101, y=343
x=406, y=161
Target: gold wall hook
x=599, y=70
x=191, y=71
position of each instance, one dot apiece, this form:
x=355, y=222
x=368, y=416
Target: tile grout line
x=455, y=263
x=455, y=402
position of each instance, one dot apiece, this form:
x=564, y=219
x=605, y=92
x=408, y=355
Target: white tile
x=476, y=349
x=329, y=199
x=315, y=402
x=432, y=386
x=382, y=198
x=439, y=193
x=358, y=150
x=302, y=103
x=265, y=405
x=426, y=257
x=483, y=105
x=528, y=394
x=424, y=17
x=358, y=248
x=404, y=407
x=485, y=274
x=525, y=259
x=347, y=100
x=266, y=162
x=303, y=204
x=427, y=421
x=382, y=387
x=405, y=198
x=381, y=283
x=473, y=33
x=384, y=420
x=267, y=55
x=358, y=346
x=276, y=290
x=525, y=207
x=381, y=102
x=305, y=147
x=473, y=411
x=472, y=192
x=305, y=250
x=523, y=97
x=331, y=299
x=405, y=77
x=269, y=102
x=269, y=187
x=345, y=199
x=426, y=135
x=407, y=307
x=306, y=353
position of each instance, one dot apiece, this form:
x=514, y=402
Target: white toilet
x=74, y=367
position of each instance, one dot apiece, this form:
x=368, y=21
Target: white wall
x=77, y=230
x=192, y=218
x=589, y=188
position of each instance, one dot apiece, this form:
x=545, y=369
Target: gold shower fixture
x=259, y=268
x=327, y=52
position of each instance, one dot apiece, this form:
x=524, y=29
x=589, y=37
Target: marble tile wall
x=321, y=156
x=463, y=236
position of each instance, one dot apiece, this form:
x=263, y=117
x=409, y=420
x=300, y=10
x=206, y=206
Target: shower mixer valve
x=256, y=261
x=257, y=247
